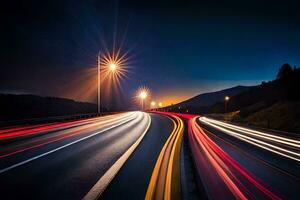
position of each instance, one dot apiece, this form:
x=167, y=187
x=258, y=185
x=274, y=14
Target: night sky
x=177, y=49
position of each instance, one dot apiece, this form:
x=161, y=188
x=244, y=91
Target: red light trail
x=237, y=179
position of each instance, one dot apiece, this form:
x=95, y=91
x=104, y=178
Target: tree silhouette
x=284, y=71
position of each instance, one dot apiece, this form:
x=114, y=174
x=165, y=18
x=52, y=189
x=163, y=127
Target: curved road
x=132, y=180
x=65, y=161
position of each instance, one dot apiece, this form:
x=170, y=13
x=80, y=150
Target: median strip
x=165, y=179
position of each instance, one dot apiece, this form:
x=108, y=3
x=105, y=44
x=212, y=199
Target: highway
x=138, y=155
x=66, y=160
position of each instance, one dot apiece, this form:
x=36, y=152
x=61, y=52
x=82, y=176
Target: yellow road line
x=173, y=178
x=155, y=173
x=165, y=179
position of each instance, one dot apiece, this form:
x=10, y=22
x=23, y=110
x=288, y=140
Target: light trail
x=100, y=123
x=275, y=138
x=18, y=128
x=254, y=138
x=126, y=120
x=34, y=129
x=209, y=156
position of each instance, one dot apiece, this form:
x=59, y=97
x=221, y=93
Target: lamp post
x=112, y=68
x=153, y=104
x=99, y=88
x=160, y=105
x=226, y=102
x=143, y=95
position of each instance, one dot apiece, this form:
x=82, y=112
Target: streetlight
x=99, y=92
x=153, y=103
x=226, y=102
x=112, y=67
x=143, y=95
x=160, y=104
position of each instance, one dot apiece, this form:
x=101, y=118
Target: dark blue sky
x=177, y=49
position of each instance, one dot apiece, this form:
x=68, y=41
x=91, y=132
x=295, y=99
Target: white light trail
x=265, y=143
x=275, y=138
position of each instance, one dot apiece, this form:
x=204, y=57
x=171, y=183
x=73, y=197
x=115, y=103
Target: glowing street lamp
x=143, y=95
x=226, y=102
x=160, y=104
x=227, y=98
x=153, y=103
x=112, y=68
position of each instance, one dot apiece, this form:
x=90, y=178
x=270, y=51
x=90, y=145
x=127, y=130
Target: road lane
x=238, y=169
x=71, y=171
x=132, y=180
x=20, y=150
x=68, y=162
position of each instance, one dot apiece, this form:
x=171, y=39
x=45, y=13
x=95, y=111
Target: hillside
x=17, y=107
x=275, y=104
x=202, y=103
x=280, y=116
x=264, y=95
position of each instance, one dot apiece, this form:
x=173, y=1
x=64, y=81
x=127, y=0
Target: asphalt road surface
x=132, y=180
x=65, y=162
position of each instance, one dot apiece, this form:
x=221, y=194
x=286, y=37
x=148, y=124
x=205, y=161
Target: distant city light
x=153, y=103
x=160, y=104
x=227, y=98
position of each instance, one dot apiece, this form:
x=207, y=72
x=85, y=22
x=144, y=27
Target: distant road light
x=160, y=104
x=226, y=101
x=153, y=103
x=143, y=95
